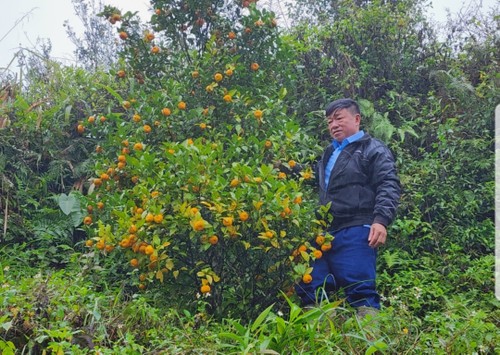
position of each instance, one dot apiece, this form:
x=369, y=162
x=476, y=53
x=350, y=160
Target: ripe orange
x=258, y=180
x=166, y=111
x=136, y=117
x=132, y=229
x=218, y=77
x=89, y=243
x=235, y=182
x=258, y=114
x=125, y=243
x=181, y=105
x=320, y=239
x=227, y=221
x=213, y=240
x=122, y=158
x=203, y=125
x=148, y=37
x=268, y=144
x=138, y=146
x=297, y=200
x=195, y=74
x=91, y=119
x=254, y=66
x=209, y=88
x=99, y=149
x=147, y=128
x=121, y=165
x=281, y=175
x=269, y=234
x=149, y=250
x=104, y=177
x=307, y=175
x=199, y=225
x=205, y=289
x=259, y=23
x=292, y=164
x=326, y=246
x=155, y=49
x=158, y=12
x=243, y=216
x=229, y=72
x=100, y=244
x=142, y=277
x=102, y=119
x=231, y=35
x=248, y=30
x=125, y=142
x=126, y=104
x=90, y=208
x=123, y=35
x=120, y=73
x=302, y=248
x=116, y=18
x=100, y=205
x=307, y=278
x=158, y=218
x=142, y=286
x=87, y=220
x=317, y=254
x=134, y=262
x=97, y=182
x=150, y=218
x=80, y=128
x=228, y=98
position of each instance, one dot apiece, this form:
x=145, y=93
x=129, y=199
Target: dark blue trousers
x=350, y=265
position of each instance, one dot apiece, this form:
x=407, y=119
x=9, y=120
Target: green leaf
x=378, y=345
x=261, y=318
x=111, y=91
x=282, y=93
x=68, y=203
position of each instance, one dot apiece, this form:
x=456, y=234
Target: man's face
x=342, y=124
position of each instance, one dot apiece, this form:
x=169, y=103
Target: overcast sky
x=45, y=19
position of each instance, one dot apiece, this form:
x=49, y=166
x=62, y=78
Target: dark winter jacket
x=364, y=187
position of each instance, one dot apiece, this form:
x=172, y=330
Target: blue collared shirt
x=338, y=148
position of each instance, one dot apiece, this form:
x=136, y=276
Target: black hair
x=339, y=104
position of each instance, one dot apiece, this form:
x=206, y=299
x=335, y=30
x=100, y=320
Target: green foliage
x=366, y=50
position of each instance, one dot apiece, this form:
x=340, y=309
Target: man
x=357, y=175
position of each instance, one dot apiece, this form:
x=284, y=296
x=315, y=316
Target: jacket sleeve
x=386, y=184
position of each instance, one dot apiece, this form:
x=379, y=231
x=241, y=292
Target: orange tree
x=187, y=198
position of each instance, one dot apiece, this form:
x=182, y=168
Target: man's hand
x=377, y=236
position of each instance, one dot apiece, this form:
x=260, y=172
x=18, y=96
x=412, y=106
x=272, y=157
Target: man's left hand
x=377, y=236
